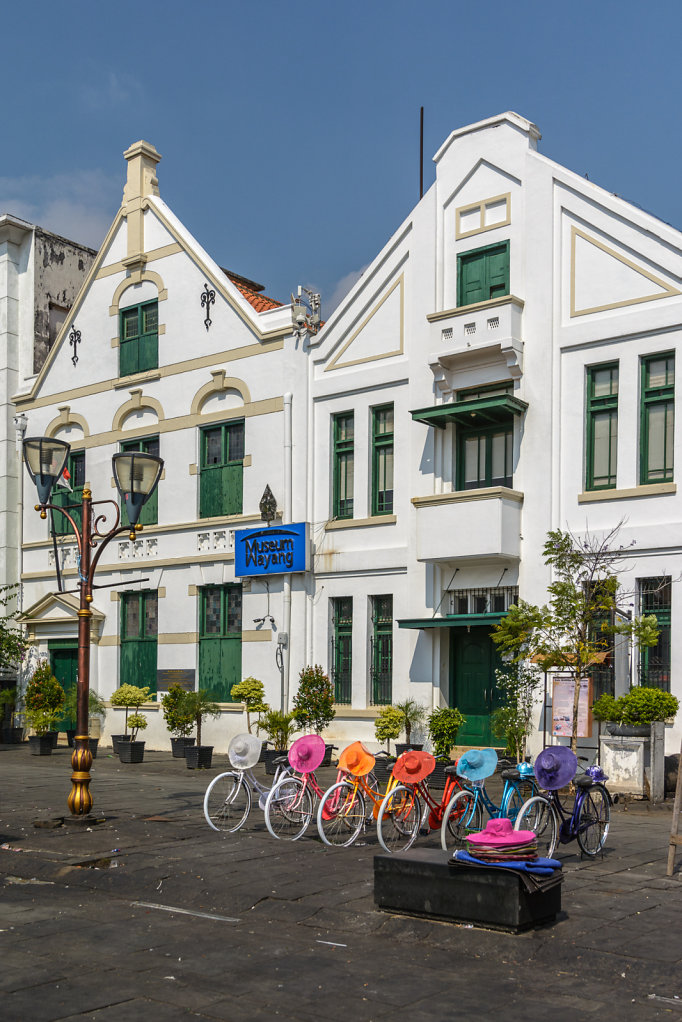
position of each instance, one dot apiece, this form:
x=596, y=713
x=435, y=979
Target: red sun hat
x=413, y=766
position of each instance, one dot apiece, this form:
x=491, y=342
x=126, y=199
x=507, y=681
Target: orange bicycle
x=343, y=810
x=410, y=804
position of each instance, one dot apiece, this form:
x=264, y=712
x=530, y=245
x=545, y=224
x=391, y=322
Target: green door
x=64, y=664
x=139, y=636
x=220, y=640
x=473, y=660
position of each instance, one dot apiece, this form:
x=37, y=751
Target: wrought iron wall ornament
x=74, y=340
x=207, y=300
x=268, y=506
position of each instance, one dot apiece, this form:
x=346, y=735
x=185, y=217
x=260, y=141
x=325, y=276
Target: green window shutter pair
x=601, y=460
x=657, y=421
x=483, y=274
x=139, y=338
x=221, y=483
x=149, y=514
x=220, y=640
x=382, y=460
x=139, y=639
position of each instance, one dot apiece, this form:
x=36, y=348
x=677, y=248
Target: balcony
x=469, y=525
x=472, y=333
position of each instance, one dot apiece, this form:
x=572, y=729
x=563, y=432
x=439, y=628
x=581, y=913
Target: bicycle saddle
x=584, y=781
x=451, y=770
x=281, y=760
x=510, y=775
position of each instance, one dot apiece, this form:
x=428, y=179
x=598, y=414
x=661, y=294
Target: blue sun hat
x=555, y=767
x=477, y=764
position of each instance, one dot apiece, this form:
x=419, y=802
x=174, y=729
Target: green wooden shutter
x=472, y=280
x=232, y=483
x=497, y=266
x=483, y=274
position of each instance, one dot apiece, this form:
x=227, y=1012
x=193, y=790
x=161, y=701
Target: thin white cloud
x=108, y=90
x=79, y=206
x=341, y=289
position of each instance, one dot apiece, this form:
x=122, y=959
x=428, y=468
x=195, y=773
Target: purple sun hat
x=306, y=754
x=555, y=767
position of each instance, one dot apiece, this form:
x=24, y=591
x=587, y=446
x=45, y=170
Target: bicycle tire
x=462, y=816
x=398, y=819
x=537, y=814
x=289, y=809
x=594, y=817
x=227, y=802
x=341, y=815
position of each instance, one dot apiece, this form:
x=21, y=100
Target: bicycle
x=343, y=809
x=589, y=819
x=410, y=804
x=228, y=798
x=289, y=804
x=464, y=815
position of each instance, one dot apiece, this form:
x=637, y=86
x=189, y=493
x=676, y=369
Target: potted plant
x=96, y=709
x=177, y=712
x=314, y=704
x=388, y=725
x=633, y=714
x=443, y=725
x=43, y=701
x=200, y=704
x=11, y=734
x=133, y=751
x=280, y=729
x=413, y=715
x=632, y=752
x=128, y=696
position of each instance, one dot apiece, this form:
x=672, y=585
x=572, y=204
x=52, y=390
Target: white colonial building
x=505, y=366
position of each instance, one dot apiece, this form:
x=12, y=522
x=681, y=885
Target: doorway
x=473, y=690
x=64, y=664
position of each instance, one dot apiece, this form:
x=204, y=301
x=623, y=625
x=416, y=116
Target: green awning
x=451, y=621
x=483, y=411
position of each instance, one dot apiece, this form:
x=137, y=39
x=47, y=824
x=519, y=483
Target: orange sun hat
x=356, y=760
x=413, y=766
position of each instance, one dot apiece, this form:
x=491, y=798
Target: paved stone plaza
x=180, y=922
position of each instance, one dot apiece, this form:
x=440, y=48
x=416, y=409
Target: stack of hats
x=499, y=842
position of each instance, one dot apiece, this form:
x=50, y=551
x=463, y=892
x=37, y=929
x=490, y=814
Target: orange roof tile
x=251, y=291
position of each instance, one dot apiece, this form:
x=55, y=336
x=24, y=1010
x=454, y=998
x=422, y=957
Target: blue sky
x=290, y=131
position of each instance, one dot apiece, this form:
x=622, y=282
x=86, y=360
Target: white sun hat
x=244, y=751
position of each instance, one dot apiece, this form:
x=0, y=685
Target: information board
x=184, y=677
x=563, y=689
x=274, y=550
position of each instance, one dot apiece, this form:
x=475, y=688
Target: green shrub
x=177, y=711
x=388, y=725
x=444, y=724
x=251, y=692
x=279, y=727
x=639, y=707
x=200, y=704
x=137, y=722
x=314, y=702
x=413, y=714
x=43, y=700
x=129, y=696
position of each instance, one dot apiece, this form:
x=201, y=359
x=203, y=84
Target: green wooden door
x=64, y=664
x=473, y=660
x=139, y=637
x=220, y=640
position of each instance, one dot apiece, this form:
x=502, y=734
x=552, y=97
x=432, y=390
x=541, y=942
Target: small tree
x=137, y=722
x=514, y=721
x=200, y=704
x=444, y=723
x=130, y=696
x=640, y=707
x=13, y=645
x=573, y=631
x=43, y=700
x=177, y=711
x=388, y=725
x=251, y=692
x=413, y=714
x=314, y=702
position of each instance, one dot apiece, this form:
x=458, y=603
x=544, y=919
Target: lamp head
x=45, y=458
x=136, y=475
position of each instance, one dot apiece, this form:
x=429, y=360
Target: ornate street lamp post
x=136, y=475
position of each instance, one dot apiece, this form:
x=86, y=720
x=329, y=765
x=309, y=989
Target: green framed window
x=342, y=649
x=654, y=661
x=382, y=460
x=221, y=477
x=381, y=666
x=220, y=639
x=483, y=274
x=484, y=457
x=657, y=426
x=70, y=500
x=139, y=338
x=139, y=639
x=601, y=427
x=343, y=465
x=149, y=514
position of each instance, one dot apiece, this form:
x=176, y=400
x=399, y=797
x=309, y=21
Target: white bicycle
x=230, y=795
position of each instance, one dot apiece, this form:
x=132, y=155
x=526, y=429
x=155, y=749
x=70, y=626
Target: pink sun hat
x=306, y=754
x=501, y=834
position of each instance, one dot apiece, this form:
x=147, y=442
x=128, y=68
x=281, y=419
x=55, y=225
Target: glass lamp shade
x=136, y=475
x=45, y=459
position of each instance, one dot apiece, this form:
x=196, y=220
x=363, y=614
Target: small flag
x=64, y=480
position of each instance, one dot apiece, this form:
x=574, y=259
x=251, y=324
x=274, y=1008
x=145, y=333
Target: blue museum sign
x=273, y=550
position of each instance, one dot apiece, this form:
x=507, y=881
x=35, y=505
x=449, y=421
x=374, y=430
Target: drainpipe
x=286, y=520
x=20, y=425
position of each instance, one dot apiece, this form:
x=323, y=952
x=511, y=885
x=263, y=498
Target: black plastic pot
x=328, y=750
x=54, y=738
x=131, y=752
x=117, y=741
x=401, y=747
x=180, y=745
x=92, y=745
x=12, y=735
x=437, y=778
x=70, y=736
x=198, y=757
x=270, y=756
x=41, y=745
x=629, y=730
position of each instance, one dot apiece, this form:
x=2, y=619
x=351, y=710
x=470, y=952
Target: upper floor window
x=70, y=499
x=483, y=274
x=221, y=481
x=382, y=460
x=343, y=465
x=657, y=418
x=601, y=427
x=149, y=515
x=139, y=338
x=484, y=457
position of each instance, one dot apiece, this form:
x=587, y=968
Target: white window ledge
x=647, y=490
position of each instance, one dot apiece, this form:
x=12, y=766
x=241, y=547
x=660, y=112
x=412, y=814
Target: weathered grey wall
x=60, y=268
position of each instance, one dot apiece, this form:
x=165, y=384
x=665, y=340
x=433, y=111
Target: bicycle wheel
x=227, y=802
x=463, y=816
x=340, y=815
x=519, y=792
x=537, y=814
x=398, y=820
x=289, y=809
x=593, y=820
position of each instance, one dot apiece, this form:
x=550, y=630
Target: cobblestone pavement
x=151, y=915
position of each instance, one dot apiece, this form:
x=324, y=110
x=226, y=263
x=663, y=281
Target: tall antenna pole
x=421, y=153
